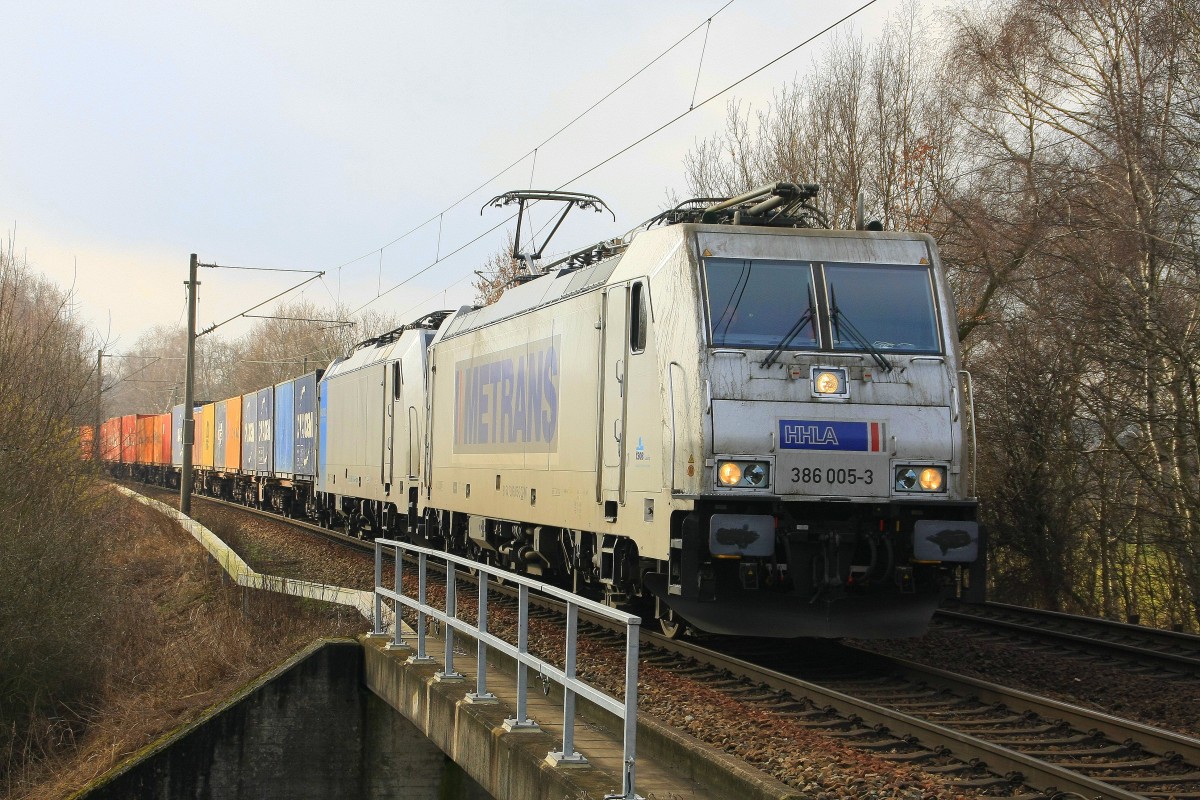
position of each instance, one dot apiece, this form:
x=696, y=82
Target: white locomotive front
x=757, y=426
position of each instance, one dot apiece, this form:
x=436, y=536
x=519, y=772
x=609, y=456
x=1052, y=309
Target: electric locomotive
x=756, y=424
x=734, y=419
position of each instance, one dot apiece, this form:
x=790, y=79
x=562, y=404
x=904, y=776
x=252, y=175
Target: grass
x=178, y=639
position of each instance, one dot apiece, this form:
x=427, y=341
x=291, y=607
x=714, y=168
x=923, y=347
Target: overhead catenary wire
x=700, y=66
x=717, y=94
x=649, y=135
x=212, y=328
x=544, y=142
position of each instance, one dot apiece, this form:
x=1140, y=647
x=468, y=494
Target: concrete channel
x=308, y=729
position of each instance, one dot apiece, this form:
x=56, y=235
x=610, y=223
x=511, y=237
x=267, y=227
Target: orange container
x=145, y=439
x=110, y=439
x=129, y=439
x=161, y=455
x=233, y=433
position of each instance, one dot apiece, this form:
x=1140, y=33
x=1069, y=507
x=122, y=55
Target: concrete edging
x=671, y=749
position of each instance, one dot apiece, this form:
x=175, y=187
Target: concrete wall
x=307, y=730
x=511, y=766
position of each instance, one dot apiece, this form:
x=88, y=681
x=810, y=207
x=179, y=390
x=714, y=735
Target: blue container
x=219, y=441
x=177, y=435
x=249, y=431
x=285, y=426
x=264, y=449
x=305, y=430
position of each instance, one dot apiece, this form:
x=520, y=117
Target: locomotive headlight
x=931, y=479
x=829, y=382
x=744, y=474
x=920, y=479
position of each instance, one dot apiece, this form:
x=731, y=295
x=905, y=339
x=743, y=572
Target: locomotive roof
x=650, y=247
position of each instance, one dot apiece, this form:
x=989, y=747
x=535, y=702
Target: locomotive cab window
x=888, y=307
x=761, y=303
x=638, y=318
x=397, y=379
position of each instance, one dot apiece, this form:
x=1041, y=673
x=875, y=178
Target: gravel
x=818, y=765
x=1159, y=698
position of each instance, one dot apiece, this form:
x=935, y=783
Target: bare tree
x=872, y=119
x=498, y=273
x=51, y=522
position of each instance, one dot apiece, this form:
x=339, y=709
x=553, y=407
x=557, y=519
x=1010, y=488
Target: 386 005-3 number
x=832, y=475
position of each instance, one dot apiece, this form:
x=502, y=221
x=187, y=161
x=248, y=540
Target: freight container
x=233, y=434
x=249, y=431
x=285, y=424
x=177, y=435
x=219, y=437
x=162, y=440
x=305, y=430
x=264, y=454
x=205, y=429
x=110, y=440
x=129, y=439
x=145, y=439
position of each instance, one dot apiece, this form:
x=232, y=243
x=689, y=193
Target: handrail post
x=421, y=657
x=448, y=673
x=632, y=637
x=481, y=694
x=522, y=721
x=568, y=755
x=397, y=566
x=377, y=629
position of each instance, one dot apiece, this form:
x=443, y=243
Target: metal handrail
x=572, y=685
x=969, y=384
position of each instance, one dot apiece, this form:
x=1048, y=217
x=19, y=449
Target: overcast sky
x=307, y=135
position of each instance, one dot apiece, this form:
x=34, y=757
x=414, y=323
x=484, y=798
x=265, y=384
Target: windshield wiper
x=855, y=335
x=805, y=319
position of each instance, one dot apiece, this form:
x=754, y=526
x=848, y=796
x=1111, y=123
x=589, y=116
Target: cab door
x=614, y=363
x=391, y=392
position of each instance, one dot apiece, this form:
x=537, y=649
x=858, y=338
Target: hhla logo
x=807, y=434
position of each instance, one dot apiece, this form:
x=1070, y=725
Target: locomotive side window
x=397, y=378
x=890, y=307
x=760, y=303
x=638, y=319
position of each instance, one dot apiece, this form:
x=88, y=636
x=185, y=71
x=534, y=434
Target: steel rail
x=1040, y=774
x=1146, y=654
x=1157, y=740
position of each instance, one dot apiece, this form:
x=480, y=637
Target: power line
x=649, y=135
x=543, y=143
x=715, y=95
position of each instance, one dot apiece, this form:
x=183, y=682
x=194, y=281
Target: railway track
x=977, y=735
x=1145, y=647
x=974, y=734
